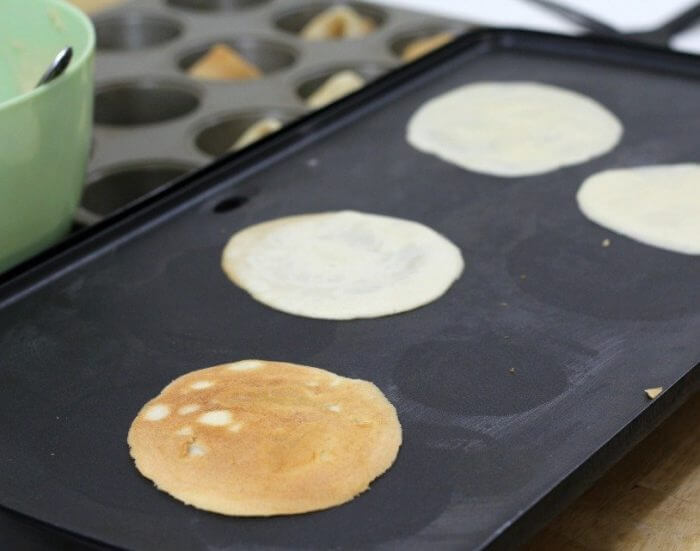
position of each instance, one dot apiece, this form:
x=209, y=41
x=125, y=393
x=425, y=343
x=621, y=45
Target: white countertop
x=625, y=15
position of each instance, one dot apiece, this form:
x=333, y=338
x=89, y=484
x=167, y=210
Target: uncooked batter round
x=513, y=128
x=342, y=265
x=261, y=438
x=656, y=205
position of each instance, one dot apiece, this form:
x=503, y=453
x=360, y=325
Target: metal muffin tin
x=153, y=122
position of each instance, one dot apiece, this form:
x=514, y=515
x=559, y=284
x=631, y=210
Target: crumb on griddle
x=653, y=392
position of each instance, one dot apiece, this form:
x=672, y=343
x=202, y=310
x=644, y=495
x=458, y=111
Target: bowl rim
x=74, y=66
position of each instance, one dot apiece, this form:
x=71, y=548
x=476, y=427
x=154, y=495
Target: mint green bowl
x=45, y=132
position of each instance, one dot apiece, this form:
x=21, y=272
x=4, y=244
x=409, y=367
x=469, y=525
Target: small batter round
x=655, y=205
x=513, y=128
x=342, y=265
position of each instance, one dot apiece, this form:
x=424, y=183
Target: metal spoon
x=58, y=65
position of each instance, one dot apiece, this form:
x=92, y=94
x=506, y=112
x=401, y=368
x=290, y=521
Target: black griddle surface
x=488, y=454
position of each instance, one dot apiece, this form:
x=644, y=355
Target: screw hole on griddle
x=230, y=203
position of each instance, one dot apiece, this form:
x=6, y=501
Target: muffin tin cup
x=143, y=101
x=147, y=106
x=118, y=187
x=217, y=135
x=135, y=30
x=294, y=19
x=268, y=56
x=311, y=82
x=211, y=6
x=403, y=38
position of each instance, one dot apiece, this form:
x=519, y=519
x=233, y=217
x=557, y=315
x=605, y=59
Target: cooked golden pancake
x=261, y=438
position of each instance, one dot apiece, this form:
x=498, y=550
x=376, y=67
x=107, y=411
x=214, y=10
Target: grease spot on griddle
x=569, y=269
x=184, y=310
x=470, y=374
x=492, y=468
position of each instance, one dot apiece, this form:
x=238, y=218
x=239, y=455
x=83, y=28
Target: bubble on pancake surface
x=236, y=427
x=195, y=450
x=245, y=365
x=217, y=418
x=199, y=385
x=187, y=409
x=157, y=412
